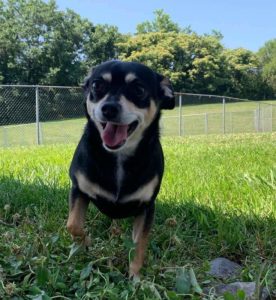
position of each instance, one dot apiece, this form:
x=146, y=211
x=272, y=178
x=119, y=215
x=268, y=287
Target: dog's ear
x=165, y=92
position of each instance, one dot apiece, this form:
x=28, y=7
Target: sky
x=243, y=23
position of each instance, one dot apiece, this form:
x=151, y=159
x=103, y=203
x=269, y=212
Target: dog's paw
x=134, y=274
x=84, y=240
x=135, y=278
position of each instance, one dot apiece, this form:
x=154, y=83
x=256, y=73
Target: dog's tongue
x=114, y=135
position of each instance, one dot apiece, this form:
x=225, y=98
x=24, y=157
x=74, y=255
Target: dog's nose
x=110, y=110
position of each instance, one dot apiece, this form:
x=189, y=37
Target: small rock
x=223, y=268
x=248, y=287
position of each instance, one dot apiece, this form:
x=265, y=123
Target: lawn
x=217, y=199
x=240, y=117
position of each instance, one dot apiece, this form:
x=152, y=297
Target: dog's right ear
x=165, y=92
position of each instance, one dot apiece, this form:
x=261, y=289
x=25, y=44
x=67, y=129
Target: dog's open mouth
x=115, y=135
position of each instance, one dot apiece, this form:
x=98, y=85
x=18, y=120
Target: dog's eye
x=139, y=90
x=99, y=87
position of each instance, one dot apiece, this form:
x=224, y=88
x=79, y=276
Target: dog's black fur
x=109, y=169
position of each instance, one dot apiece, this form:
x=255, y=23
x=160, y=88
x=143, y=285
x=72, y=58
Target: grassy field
x=217, y=199
x=240, y=117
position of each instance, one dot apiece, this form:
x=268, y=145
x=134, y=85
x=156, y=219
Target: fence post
x=223, y=115
x=37, y=115
x=180, y=115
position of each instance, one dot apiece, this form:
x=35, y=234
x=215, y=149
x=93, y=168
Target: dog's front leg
x=141, y=228
x=78, y=205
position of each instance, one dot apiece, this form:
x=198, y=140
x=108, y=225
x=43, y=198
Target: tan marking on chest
x=142, y=194
x=92, y=189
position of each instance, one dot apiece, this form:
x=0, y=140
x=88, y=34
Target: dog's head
x=123, y=99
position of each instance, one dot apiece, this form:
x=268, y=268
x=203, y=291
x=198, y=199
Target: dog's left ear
x=165, y=93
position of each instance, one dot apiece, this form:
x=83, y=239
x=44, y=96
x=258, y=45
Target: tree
x=243, y=75
x=193, y=62
x=101, y=44
x=197, y=63
x=41, y=45
x=161, y=23
x=267, y=56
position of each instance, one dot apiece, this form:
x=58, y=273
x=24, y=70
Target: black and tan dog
x=118, y=164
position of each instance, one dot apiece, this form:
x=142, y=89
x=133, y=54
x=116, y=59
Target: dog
x=118, y=164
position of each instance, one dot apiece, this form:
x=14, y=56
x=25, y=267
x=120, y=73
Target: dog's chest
x=120, y=172
x=126, y=188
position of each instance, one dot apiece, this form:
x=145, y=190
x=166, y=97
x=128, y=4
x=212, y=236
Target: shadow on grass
x=198, y=230
x=207, y=232
x=34, y=251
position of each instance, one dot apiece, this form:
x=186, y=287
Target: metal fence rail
x=32, y=115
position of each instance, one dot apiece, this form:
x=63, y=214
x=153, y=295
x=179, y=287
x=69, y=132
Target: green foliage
x=243, y=75
x=195, y=63
x=42, y=45
x=186, y=282
x=182, y=282
x=267, y=55
x=161, y=23
x=102, y=46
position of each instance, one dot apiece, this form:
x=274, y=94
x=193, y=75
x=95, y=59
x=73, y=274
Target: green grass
x=196, y=119
x=217, y=199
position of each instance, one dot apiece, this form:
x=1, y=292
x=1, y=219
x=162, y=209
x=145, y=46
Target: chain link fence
x=31, y=115
x=40, y=114
x=197, y=114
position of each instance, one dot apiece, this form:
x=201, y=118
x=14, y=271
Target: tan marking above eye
x=130, y=77
x=107, y=77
